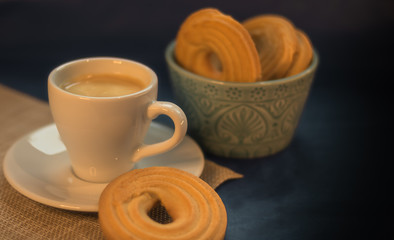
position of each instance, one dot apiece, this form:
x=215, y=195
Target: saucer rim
x=7, y=160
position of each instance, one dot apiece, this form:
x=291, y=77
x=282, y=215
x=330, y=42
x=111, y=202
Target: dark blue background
x=331, y=182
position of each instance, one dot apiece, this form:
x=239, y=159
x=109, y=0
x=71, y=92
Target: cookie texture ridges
x=196, y=211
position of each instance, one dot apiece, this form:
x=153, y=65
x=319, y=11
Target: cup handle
x=180, y=122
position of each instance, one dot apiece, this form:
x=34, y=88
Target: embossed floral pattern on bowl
x=240, y=120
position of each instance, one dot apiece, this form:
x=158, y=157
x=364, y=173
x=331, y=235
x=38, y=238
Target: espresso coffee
x=103, y=85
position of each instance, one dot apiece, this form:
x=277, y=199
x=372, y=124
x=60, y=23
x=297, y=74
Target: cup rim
x=153, y=82
x=169, y=56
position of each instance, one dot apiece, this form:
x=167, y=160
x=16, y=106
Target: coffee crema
x=103, y=85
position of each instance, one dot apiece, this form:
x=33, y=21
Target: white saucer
x=37, y=166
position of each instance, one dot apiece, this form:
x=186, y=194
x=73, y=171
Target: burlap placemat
x=22, y=218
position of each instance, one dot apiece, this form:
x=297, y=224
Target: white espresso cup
x=104, y=135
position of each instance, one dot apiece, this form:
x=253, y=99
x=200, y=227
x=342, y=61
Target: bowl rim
x=169, y=56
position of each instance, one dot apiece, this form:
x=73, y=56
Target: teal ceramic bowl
x=240, y=120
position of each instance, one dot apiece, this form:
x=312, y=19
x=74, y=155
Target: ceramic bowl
x=240, y=120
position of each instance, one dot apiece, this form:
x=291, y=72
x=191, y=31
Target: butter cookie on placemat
x=195, y=210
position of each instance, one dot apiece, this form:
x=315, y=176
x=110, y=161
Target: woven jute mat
x=22, y=218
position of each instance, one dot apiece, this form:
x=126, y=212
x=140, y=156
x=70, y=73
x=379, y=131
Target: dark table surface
x=330, y=183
